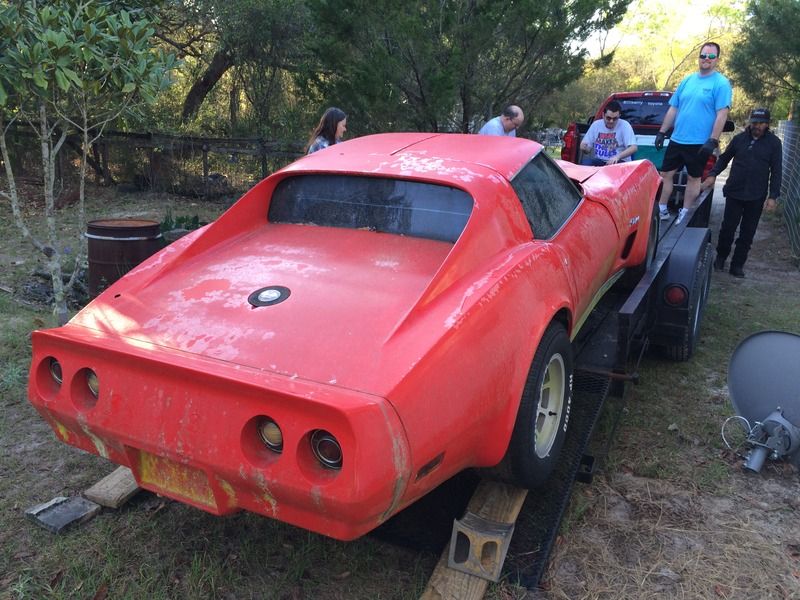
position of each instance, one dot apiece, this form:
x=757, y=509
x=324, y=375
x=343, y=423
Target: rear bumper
x=186, y=426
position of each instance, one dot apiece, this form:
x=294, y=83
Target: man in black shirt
x=756, y=173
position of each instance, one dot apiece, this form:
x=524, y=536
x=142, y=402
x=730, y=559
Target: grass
x=673, y=515
x=670, y=516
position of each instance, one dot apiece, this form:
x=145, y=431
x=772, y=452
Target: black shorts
x=678, y=156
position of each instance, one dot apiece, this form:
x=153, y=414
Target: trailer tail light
x=675, y=295
x=271, y=435
x=712, y=160
x=326, y=449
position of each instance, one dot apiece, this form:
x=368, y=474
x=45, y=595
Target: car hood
x=348, y=292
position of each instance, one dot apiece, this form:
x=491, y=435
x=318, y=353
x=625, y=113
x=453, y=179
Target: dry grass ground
x=671, y=516
x=674, y=515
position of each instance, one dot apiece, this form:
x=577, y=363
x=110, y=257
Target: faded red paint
x=403, y=348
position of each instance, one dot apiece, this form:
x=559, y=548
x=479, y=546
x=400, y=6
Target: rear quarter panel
x=462, y=397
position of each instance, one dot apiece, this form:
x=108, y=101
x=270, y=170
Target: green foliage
x=658, y=45
x=445, y=66
x=189, y=222
x=79, y=56
x=765, y=63
x=68, y=66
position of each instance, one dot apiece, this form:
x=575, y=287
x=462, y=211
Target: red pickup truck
x=645, y=111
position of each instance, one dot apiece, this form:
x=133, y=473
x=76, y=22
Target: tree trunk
x=221, y=62
x=52, y=250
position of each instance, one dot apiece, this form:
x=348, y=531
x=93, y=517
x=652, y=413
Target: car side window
x=548, y=197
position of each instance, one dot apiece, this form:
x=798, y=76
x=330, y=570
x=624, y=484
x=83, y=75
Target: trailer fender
x=688, y=269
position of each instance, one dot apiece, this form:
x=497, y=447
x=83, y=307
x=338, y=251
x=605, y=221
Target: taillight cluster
x=84, y=392
x=324, y=445
x=85, y=384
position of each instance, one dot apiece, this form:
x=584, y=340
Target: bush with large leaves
x=70, y=67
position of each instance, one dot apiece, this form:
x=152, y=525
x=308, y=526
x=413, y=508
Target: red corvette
x=358, y=328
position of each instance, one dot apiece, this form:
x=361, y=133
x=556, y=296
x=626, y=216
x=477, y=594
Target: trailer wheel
x=543, y=415
x=697, y=302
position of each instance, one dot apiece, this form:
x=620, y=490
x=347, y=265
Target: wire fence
x=789, y=132
x=191, y=166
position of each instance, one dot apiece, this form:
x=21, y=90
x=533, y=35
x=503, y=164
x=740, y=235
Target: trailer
x=663, y=313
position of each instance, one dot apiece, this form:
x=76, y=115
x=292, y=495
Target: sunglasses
x=708, y=56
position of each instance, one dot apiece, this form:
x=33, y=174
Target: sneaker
x=737, y=272
x=664, y=213
x=681, y=213
x=719, y=263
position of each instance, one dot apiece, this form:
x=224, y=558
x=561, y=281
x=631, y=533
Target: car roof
x=447, y=158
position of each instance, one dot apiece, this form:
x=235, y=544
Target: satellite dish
x=764, y=384
x=764, y=373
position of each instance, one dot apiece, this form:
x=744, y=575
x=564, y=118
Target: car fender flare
x=505, y=425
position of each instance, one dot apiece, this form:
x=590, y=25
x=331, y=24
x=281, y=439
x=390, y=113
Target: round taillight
x=93, y=383
x=55, y=371
x=675, y=295
x=326, y=449
x=271, y=435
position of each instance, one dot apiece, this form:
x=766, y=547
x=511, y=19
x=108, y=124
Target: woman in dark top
x=330, y=130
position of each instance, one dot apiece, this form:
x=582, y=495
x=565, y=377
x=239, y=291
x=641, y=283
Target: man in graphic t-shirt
x=609, y=140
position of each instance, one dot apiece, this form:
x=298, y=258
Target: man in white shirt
x=504, y=124
x=609, y=140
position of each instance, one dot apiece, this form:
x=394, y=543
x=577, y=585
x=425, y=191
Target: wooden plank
x=113, y=490
x=491, y=500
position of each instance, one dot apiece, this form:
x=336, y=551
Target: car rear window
x=644, y=111
x=396, y=206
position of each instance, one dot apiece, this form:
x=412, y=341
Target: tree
x=239, y=52
x=445, y=65
x=655, y=46
x=69, y=67
x=766, y=62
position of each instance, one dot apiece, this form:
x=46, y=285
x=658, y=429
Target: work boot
x=737, y=272
x=719, y=263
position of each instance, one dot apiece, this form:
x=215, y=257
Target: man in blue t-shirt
x=505, y=124
x=698, y=109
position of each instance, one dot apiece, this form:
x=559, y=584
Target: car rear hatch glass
x=385, y=205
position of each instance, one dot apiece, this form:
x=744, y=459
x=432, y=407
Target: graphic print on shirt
x=606, y=146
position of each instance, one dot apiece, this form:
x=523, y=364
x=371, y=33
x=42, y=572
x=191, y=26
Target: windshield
x=376, y=204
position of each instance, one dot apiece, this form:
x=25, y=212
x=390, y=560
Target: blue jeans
x=593, y=162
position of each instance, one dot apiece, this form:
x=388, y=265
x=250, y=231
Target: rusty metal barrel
x=116, y=246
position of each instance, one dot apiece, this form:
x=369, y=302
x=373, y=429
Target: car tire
x=543, y=416
x=698, y=296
